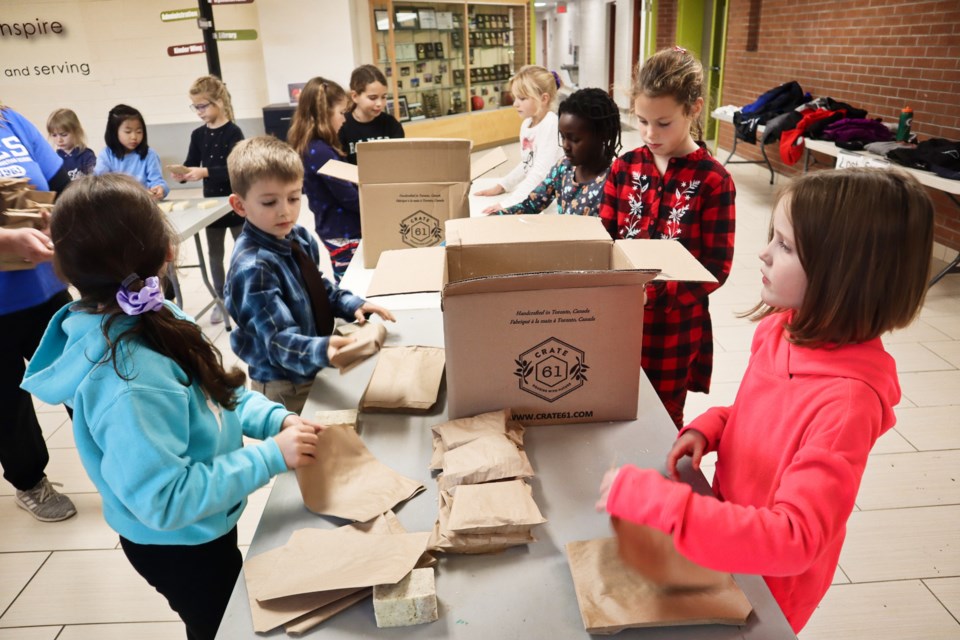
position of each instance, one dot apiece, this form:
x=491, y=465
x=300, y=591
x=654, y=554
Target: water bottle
x=903, y=129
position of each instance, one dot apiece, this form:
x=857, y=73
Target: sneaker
x=45, y=503
x=216, y=316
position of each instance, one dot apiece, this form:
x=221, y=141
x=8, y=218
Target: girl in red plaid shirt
x=672, y=188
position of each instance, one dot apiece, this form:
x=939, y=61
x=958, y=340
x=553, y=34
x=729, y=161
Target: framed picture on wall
x=428, y=18
x=406, y=18
x=403, y=114
x=382, y=19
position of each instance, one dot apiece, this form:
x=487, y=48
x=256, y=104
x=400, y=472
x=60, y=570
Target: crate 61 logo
x=420, y=229
x=551, y=370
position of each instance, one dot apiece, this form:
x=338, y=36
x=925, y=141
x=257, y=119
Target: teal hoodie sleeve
x=260, y=418
x=149, y=466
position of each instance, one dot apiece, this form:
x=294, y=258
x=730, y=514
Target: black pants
x=23, y=452
x=196, y=580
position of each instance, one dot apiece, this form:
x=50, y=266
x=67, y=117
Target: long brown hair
x=313, y=118
x=864, y=238
x=672, y=72
x=105, y=228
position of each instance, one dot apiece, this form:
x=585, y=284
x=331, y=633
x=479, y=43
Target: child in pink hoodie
x=848, y=260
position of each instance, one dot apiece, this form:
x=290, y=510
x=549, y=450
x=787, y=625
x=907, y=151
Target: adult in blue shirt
x=28, y=299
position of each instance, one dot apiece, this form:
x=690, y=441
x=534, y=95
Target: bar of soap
x=166, y=207
x=208, y=204
x=180, y=205
x=411, y=601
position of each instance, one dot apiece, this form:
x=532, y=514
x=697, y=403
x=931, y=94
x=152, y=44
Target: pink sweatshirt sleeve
x=809, y=509
x=710, y=424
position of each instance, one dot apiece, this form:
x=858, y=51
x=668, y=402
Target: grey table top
x=524, y=592
x=191, y=220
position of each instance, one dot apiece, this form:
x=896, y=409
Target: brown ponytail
x=313, y=118
x=105, y=228
x=672, y=72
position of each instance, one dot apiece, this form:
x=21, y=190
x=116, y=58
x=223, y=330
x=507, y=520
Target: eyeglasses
x=200, y=108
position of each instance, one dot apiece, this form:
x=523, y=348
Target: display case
x=448, y=58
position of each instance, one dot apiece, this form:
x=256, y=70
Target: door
x=701, y=30
x=611, y=45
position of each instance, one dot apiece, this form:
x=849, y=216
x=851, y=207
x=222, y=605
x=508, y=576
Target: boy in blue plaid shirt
x=279, y=332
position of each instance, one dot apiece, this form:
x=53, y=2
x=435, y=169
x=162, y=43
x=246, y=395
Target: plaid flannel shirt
x=692, y=203
x=276, y=334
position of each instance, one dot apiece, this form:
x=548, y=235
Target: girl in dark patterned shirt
x=590, y=138
x=672, y=188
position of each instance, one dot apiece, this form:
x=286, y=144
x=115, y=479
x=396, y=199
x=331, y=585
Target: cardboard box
x=542, y=314
x=409, y=188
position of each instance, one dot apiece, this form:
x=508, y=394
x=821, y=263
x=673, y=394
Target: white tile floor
x=899, y=574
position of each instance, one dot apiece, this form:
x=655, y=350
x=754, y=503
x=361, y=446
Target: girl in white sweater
x=534, y=89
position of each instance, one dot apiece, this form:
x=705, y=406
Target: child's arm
x=546, y=153
x=154, y=176
x=153, y=476
x=609, y=215
x=192, y=160
x=540, y=198
x=88, y=162
x=346, y=194
x=105, y=162
x=811, y=505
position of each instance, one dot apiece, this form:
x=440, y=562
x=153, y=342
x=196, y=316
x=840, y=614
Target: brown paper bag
x=369, y=339
x=651, y=553
x=308, y=621
x=490, y=457
x=324, y=560
x=613, y=597
x=346, y=481
x=494, y=507
x=337, y=418
x=405, y=380
x=298, y=610
x=452, y=434
x=442, y=539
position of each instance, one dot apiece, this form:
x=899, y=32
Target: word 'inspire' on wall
x=27, y=30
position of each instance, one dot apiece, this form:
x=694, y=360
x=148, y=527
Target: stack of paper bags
x=320, y=572
x=22, y=207
x=485, y=505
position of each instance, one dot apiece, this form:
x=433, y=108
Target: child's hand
x=156, y=192
x=492, y=191
x=337, y=343
x=494, y=208
x=298, y=441
x=692, y=443
x=369, y=307
x=605, y=485
x=197, y=173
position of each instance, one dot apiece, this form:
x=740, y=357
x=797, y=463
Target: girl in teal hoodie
x=158, y=421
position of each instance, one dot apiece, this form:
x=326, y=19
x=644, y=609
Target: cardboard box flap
x=413, y=160
x=482, y=164
x=482, y=260
x=668, y=256
x=342, y=170
x=408, y=271
x=524, y=229
x=549, y=280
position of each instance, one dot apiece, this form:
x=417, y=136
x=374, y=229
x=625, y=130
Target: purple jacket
x=859, y=129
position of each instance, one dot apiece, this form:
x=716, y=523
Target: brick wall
x=666, y=24
x=879, y=55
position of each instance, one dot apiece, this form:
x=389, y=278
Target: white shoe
x=216, y=317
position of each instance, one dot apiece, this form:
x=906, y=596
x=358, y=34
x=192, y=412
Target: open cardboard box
x=409, y=188
x=541, y=313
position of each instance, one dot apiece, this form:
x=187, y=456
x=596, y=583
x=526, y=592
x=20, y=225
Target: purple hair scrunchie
x=149, y=298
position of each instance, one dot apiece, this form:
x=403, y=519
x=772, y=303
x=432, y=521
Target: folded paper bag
x=651, y=553
x=454, y=433
x=322, y=560
x=368, y=340
x=612, y=597
x=348, y=482
x=405, y=380
x=490, y=457
x=444, y=540
x=494, y=507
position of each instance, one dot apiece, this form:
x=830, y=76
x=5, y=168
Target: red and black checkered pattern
x=693, y=203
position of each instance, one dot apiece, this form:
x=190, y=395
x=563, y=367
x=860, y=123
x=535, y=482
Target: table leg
x=954, y=266
x=217, y=300
x=763, y=152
